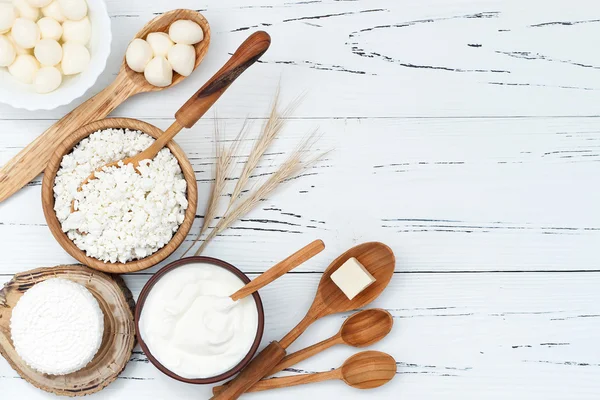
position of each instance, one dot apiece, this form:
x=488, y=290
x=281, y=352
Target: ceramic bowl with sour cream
x=188, y=326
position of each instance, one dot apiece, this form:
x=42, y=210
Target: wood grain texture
x=457, y=335
x=483, y=183
x=377, y=258
x=432, y=58
x=32, y=160
x=361, y=329
x=270, y=356
x=364, y=370
x=279, y=269
x=117, y=305
x=535, y=176
x=55, y=225
x=246, y=55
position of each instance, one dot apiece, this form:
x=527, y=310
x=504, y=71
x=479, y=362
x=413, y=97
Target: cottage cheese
x=57, y=326
x=121, y=215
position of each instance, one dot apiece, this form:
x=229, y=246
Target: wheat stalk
x=270, y=130
x=224, y=162
x=290, y=168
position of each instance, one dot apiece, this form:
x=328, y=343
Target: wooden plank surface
x=466, y=136
x=523, y=335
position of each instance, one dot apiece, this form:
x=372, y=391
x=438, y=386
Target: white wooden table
x=466, y=136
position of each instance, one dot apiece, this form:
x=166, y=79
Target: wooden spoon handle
x=244, y=56
x=301, y=355
x=32, y=160
x=283, y=267
x=287, y=381
x=258, y=368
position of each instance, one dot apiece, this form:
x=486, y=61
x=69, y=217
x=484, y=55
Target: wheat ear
x=270, y=131
x=223, y=166
x=290, y=168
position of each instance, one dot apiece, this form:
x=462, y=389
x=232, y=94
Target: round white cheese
x=158, y=72
x=48, y=52
x=50, y=28
x=39, y=3
x=77, y=31
x=53, y=11
x=185, y=31
x=26, y=11
x=8, y=53
x=24, y=68
x=57, y=327
x=76, y=58
x=73, y=9
x=8, y=15
x=138, y=55
x=18, y=48
x=160, y=43
x=47, y=80
x=26, y=33
x=182, y=58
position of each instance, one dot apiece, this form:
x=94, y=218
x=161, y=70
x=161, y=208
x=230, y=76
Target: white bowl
x=21, y=95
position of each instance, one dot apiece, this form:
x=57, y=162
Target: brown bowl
x=48, y=196
x=208, y=260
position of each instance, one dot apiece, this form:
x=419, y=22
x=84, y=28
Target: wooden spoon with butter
x=377, y=258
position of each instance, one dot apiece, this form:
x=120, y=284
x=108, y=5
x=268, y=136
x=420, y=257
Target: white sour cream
x=192, y=327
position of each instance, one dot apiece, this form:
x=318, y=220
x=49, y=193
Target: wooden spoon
x=32, y=160
x=376, y=257
x=246, y=55
x=365, y=370
x=361, y=329
x=281, y=268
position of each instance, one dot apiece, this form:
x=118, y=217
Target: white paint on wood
x=466, y=137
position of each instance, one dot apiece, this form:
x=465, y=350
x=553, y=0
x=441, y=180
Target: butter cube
x=352, y=278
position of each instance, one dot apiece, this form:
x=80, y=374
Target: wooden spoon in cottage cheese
x=246, y=55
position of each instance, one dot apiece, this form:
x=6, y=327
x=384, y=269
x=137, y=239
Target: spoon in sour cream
x=278, y=270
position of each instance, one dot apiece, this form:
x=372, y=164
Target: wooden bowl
x=55, y=226
x=208, y=260
x=116, y=303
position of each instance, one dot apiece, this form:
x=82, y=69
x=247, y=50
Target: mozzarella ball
x=185, y=31
x=138, y=55
x=76, y=58
x=48, y=52
x=24, y=68
x=53, y=11
x=182, y=58
x=8, y=14
x=50, y=28
x=18, y=48
x=8, y=53
x=47, y=80
x=160, y=43
x=73, y=9
x=158, y=72
x=39, y=3
x=26, y=33
x=26, y=11
x=77, y=31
